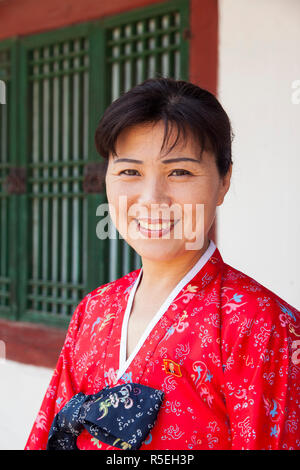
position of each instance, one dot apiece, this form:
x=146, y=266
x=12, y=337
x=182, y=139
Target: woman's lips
x=155, y=227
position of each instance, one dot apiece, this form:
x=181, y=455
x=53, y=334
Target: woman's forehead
x=155, y=136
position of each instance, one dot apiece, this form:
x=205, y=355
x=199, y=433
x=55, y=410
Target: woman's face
x=162, y=204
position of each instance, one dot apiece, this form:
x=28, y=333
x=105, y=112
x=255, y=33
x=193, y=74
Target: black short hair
x=175, y=102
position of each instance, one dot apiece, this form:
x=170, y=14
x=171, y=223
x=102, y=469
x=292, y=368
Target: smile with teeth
x=156, y=227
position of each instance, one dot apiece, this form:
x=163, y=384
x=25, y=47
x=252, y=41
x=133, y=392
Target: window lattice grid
x=143, y=49
x=58, y=82
x=5, y=67
x=5, y=72
x=4, y=120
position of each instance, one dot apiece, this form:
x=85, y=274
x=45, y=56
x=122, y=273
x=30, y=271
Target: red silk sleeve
x=61, y=388
x=261, y=384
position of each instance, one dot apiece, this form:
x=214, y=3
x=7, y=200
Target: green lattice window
x=50, y=254
x=4, y=167
x=58, y=149
x=7, y=160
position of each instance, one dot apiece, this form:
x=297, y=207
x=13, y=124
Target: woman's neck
x=162, y=276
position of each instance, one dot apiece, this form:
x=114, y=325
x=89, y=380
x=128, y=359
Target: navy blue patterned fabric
x=121, y=416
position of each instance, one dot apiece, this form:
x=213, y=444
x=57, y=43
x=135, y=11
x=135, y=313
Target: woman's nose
x=153, y=191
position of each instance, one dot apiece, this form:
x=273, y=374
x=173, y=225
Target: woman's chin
x=157, y=251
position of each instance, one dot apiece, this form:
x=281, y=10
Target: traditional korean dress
x=223, y=350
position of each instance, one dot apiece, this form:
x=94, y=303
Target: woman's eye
x=180, y=172
x=129, y=172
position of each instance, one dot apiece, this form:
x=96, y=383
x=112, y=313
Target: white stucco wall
x=22, y=390
x=259, y=222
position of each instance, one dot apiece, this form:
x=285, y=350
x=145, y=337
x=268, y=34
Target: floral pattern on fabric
x=226, y=354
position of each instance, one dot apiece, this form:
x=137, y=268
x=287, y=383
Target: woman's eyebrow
x=170, y=160
x=181, y=159
x=130, y=160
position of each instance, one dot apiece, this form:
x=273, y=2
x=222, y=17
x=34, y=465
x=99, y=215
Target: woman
x=186, y=352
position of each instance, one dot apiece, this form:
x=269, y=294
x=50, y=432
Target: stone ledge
x=31, y=343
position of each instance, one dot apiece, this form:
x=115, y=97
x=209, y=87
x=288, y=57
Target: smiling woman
x=186, y=352
x=163, y=194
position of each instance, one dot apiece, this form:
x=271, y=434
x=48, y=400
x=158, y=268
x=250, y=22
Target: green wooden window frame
x=8, y=159
x=50, y=256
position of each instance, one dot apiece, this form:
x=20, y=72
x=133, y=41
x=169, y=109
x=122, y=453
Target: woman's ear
x=224, y=186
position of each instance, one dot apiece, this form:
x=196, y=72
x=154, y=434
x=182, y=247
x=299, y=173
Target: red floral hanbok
x=224, y=350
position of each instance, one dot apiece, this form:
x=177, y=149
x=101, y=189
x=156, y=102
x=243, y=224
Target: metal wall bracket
x=94, y=177
x=15, y=182
x=186, y=34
